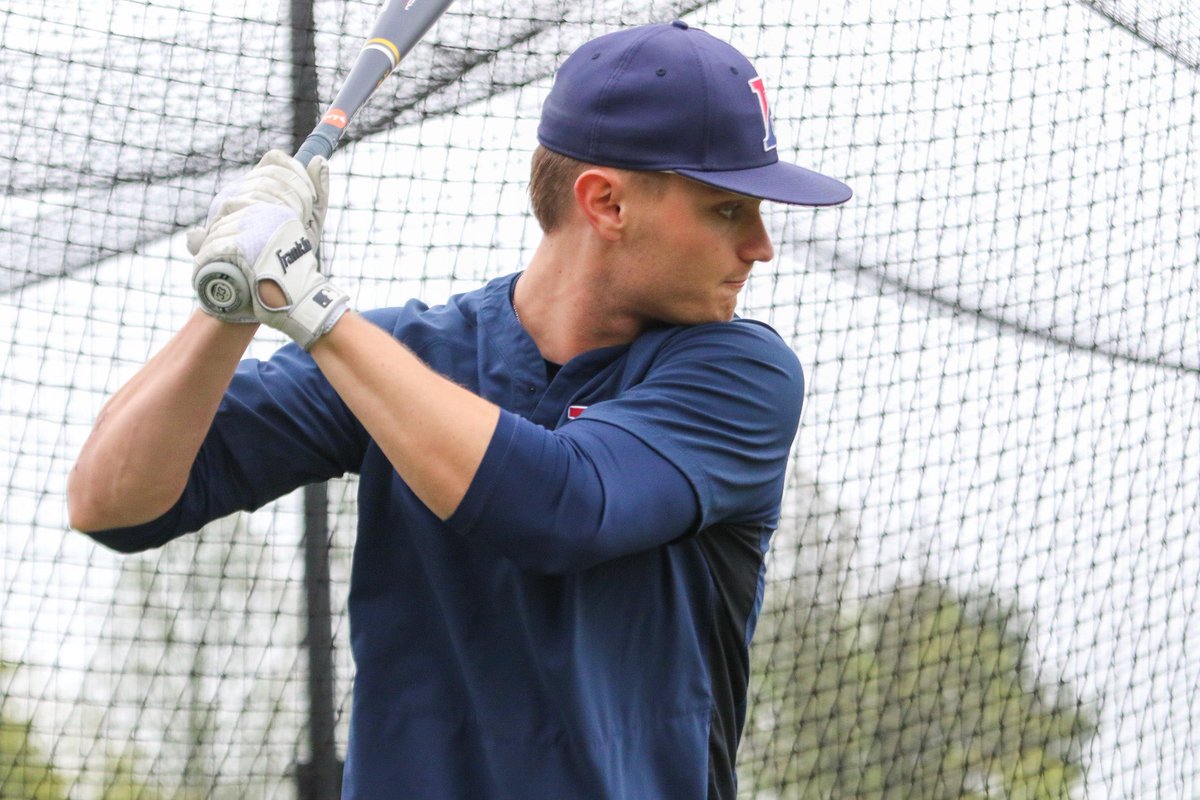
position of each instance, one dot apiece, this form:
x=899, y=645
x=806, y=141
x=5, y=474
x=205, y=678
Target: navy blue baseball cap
x=669, y=97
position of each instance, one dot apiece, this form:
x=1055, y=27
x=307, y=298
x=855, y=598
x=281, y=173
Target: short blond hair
x=552, y=179
x=551, y=186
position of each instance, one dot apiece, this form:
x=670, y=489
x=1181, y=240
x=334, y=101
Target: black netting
x=984, y=582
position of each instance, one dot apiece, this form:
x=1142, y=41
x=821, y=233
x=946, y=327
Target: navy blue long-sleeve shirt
x=579, y=628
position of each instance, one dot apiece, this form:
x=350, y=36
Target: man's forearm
x=136, y=460
x=433, y=431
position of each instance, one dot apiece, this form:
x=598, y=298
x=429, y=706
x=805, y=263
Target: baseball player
x=568, y=477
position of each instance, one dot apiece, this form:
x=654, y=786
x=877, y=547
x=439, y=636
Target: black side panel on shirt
x=734, y=560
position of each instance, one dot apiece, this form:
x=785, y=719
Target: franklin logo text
x=293, y=253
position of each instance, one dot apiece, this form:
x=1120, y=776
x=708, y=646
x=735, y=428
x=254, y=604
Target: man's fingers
x=195, y=240
x=278, y=179
x=318, y=173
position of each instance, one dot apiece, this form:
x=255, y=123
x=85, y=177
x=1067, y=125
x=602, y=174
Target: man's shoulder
x=458, y=314
x=391, y=318
x=737, y=369
x=740, y=338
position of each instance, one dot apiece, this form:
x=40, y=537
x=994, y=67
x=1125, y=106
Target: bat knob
x=222, y=289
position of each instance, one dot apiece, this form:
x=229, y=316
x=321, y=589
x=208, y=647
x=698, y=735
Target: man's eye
x=729, y=211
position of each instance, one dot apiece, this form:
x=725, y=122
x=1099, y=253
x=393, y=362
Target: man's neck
x=566, y=303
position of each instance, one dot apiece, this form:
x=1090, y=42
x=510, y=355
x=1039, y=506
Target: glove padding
x=267, y=225
x=280, y=179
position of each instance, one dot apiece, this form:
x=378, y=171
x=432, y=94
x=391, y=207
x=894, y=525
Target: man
x=568, y=478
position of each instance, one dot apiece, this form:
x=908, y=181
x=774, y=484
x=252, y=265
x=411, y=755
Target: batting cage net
x=985, y=579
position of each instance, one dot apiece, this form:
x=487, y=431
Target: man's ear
x=599, y=193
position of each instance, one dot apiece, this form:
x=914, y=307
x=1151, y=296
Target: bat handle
x=320, y=142
x=223, y=290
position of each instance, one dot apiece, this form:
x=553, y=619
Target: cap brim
x=781, y=182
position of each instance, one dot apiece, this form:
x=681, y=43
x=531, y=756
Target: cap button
x=683, y=26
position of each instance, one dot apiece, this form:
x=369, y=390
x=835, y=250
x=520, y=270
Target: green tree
x=123, y=783
x=25, y=774
x=923, y=693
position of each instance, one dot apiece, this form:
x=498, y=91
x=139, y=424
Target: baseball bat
x=221, y=287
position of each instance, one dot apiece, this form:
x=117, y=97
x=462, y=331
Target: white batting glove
x=267, y=226
x=280, y=179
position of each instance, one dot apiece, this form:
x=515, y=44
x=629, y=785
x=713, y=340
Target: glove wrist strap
x=315, y=314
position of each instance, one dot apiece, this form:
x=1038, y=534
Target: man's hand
x=268, y=226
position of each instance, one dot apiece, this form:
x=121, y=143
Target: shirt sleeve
x=703, y=438
x=562, y=502
x=722, y=403
x=280, y=425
